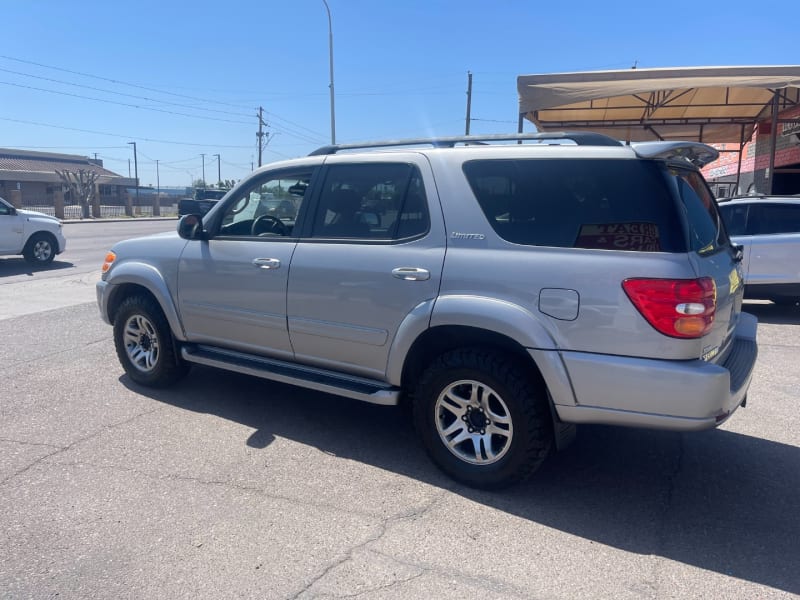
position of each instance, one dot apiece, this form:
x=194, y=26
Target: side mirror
x=190, y=227
x=738, y=252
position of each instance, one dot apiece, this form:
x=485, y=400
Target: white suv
x=37, y=236
x=768, y=228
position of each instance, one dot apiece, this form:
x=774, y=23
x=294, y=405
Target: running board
x=349, y=386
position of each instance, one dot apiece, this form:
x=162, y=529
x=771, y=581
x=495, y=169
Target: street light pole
x=219, y=172
x=157, y=205
x=330, y=54
x=204, y=169
x=136, y=171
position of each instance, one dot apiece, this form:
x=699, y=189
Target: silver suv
x=506, y=291
x=768, y=228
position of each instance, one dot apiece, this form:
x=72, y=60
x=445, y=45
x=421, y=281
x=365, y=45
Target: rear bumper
x=679, y=395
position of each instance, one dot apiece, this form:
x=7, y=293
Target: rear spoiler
x=694, y=152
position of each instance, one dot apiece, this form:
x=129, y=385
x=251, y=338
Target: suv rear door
x=371, y=255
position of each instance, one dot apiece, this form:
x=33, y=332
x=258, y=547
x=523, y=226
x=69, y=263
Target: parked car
x=768, y=228
x=202, y=201
x=36, y=236
x=507, y=292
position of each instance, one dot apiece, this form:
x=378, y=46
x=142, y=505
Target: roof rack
x=580, y=138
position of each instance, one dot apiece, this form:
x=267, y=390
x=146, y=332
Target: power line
x=169, y=112
x=118, y=82
x=117, y=135
x=96, y=89
x=285, y=129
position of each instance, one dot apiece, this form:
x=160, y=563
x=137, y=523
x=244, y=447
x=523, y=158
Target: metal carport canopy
x=704, y=104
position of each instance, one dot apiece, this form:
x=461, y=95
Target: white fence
x=106, y=212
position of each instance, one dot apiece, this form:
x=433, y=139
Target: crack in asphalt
x=40, y=357
x=24, y=443
x=384, y=527
x=60, y=450
x=661, y=533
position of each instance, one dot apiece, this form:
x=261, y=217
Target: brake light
x=682, y=308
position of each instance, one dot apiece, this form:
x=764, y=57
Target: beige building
x=29, y=180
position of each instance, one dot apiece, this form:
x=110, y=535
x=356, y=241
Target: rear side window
x=706, y=233
x=379, y=201
x=606, y=204
x=775, y=218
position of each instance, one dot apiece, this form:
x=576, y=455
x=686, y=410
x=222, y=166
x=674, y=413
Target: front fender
x=148, y=277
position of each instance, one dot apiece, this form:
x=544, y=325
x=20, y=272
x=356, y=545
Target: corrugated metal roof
x=20, y=162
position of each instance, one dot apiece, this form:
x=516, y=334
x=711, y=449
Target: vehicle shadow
x=20, y=266
x=717, y=500
x=773, y=313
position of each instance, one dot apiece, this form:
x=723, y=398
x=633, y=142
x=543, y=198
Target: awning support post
x=773, y=143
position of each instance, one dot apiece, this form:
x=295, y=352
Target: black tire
x=517, y=449
x=41, y=249
x=145, y=345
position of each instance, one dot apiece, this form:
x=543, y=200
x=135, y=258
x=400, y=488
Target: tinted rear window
x=606, y=204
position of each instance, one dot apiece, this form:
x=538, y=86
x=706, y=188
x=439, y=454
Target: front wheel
x=144, y=343
x=483, y=420
x=40, y=249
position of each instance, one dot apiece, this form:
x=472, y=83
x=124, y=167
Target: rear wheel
x=40, y=249
x=482, y=419
x=144, y=343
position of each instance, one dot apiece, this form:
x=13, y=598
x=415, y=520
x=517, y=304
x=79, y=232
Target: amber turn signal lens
x=110, y=258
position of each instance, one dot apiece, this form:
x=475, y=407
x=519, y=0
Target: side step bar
x=349, y=386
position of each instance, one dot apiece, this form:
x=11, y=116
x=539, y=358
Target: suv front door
x=232, y=286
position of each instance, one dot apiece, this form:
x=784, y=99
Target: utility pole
x=204, y=169
x=469, y=100
x=136, y=171
x=219, y=172
x=260, y=133
x=157, y=205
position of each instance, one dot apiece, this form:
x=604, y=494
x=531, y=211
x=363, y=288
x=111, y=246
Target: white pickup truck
x=37, y=236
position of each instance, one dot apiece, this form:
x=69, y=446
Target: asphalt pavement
x=226, y=486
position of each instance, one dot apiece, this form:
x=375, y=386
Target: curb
x=118, y=220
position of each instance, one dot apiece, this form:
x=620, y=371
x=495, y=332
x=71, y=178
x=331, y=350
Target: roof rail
x=581, y=138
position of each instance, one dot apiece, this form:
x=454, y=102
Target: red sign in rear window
x=620, y=236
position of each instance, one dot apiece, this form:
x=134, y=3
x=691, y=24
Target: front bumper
x=678, y=395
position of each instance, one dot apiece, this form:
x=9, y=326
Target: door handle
x=266, y=263
x=411, y=273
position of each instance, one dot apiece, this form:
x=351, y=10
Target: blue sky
x=183, y=79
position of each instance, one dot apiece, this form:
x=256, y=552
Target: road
x=26, y=290
x=225, y=486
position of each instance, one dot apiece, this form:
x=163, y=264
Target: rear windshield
x=606, y=204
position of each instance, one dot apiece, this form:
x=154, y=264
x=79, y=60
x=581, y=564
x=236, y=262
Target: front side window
x=735, y=216
x=371, y=201
x=601, y=204
x=267, y=208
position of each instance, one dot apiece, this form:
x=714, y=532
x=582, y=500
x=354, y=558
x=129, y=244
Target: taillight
x=682, y=308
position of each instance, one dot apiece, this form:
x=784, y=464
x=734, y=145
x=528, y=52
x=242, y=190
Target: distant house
x=29, y=179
